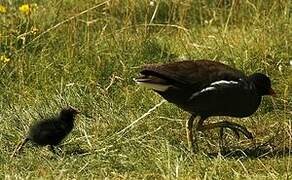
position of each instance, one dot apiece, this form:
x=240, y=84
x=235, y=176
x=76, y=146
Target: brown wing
x=196, y=74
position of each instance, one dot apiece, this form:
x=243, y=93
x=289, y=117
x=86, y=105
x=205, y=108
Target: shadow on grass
x=76, y=151
x=73, y=150
x=273, y=148
x=256, y=152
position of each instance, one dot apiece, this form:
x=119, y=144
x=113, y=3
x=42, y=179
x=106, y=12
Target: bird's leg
x=222, y=140
x=226, y=124
x=198, y=126
x=19, y=147
x=189, y=129
x=221, y=132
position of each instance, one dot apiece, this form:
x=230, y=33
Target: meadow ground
x=86, y=53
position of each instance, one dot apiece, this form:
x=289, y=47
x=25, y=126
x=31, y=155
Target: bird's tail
x=19, y=147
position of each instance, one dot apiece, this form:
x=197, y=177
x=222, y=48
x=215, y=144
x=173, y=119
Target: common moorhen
x=51, y=131
x=207, y=88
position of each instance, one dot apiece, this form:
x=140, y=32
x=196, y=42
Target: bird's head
x=69, y=113
x=262, y=84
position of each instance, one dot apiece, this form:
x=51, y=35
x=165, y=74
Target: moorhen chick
x=207, y=88
x=51, y=131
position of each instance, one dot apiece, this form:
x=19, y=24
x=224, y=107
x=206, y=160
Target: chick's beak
x=76, y=111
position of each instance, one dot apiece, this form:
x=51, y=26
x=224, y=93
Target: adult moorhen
x=207, y=88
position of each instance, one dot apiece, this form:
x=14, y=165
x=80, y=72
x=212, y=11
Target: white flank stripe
x=157, y=87
x=213, y=86
x=203, y=90
x=224, y=82
x=207, y=89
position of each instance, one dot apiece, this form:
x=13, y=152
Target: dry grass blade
x=130, y=126
x=65, y=21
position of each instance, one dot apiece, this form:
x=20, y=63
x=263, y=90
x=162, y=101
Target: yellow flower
x=34, y=30
x=25, y=9
x=3, y=9
x=4, y=59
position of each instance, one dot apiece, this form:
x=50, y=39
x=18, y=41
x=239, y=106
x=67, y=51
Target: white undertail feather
x=157, y=87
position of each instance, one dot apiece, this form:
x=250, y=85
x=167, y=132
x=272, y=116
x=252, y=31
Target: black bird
x=51, y=131
x=207, y=88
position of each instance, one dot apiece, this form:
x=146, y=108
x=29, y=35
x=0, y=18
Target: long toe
x=236, y=133
x=249, y=135
x=246, y=133
x=237, y=128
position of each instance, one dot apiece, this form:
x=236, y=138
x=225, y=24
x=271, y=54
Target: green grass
x=76, y=52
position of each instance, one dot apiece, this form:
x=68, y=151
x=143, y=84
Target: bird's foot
x=243, y=130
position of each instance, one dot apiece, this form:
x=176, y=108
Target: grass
x=85, y=53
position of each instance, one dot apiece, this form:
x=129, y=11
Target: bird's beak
x=272, y=92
